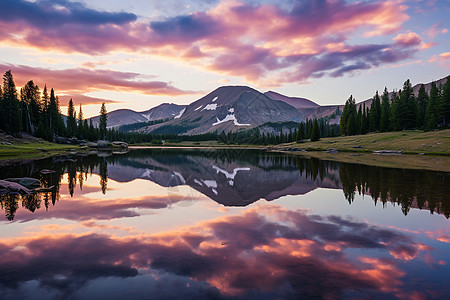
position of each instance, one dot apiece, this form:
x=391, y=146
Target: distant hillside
x=163, y=111
x=298, y=103
x=121, y=117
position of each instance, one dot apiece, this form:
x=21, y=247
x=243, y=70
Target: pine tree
x=422, y=102
x=56, y=123
x=349, y=109
x=407, y=108
x=103, y=121
x=315, y=133
x=80, y=123
x=385, y=111
x=375, y=113
x=10, y=117
x=300, y=133
x=432, y=112
x=395, y=111
x=44, y=103
x=71, y=119
x=361, y=119
x=445, y=103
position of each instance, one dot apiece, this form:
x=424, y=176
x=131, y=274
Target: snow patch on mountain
x=198, y=108
x=231, y=117
x=180, y=114
x=213, y=100
x=210, y=183
x=210, y=106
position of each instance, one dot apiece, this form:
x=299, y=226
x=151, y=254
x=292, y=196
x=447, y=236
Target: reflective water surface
x=223, y=224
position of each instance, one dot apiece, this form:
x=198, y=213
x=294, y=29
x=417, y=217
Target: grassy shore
x=434, y=144
x=410, y=142
x=32, y=150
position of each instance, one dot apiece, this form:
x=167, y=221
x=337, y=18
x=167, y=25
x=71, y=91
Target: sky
x=140, y=53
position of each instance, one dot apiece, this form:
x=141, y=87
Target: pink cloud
x=256, y=42
x=441, y=57
x=436, y=29
x=408, y=39
x=82, y=99
x=279, y=253
x=82, y=80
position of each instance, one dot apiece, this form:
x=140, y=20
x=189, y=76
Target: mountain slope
x=228, y=108
x=163, y=111
x=293, y=101
x=120, y=117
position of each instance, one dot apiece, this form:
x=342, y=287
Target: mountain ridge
x=231, y=108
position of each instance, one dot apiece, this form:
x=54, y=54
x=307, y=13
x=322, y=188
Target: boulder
x=103, y=144
x=91, y=145
x=120, y=144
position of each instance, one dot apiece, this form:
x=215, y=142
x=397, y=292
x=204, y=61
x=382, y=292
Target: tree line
x=399, y=110
x=39, y=114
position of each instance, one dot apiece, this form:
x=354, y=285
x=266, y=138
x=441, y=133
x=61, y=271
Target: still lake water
x=224, y=224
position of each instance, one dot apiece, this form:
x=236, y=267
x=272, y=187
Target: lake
x=223, y=224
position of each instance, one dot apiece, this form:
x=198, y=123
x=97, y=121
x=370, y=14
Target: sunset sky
x=140, y=53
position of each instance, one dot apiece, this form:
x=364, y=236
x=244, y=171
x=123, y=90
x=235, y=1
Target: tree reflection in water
x=406, y=188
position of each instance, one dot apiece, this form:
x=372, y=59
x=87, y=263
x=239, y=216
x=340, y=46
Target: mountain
x=296, y=102
x=121, y=117
x=228, y=108
x=163, y=111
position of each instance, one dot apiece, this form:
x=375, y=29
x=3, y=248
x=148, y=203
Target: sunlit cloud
x=275, y=43
x=266, y=249
x=82, y=80
x=436, y=29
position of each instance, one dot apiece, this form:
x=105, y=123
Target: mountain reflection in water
x=121, y=237
x=236, y=177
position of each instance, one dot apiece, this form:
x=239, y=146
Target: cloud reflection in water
x=265, y=252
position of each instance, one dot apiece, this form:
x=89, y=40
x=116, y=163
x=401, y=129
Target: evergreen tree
x=395, y=111
x=422, y=102
x=10, y=117
x=360, y=121
x=103, y=121
x=31, y=106
x=315, y=133
x=375, y=113
x=80, y=123
x=432, y=111
x=55, y=121
x=71, y=119
x=44, y=103
x=352, y=126
x=385, y=111
x=407, y=108
x=445, y=103
x=300, y=133
x=349, y=109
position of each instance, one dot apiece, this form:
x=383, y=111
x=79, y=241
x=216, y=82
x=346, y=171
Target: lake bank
x=351, y=149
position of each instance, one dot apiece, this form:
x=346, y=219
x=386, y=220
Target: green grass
x=412, y=141
x=29, y=150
